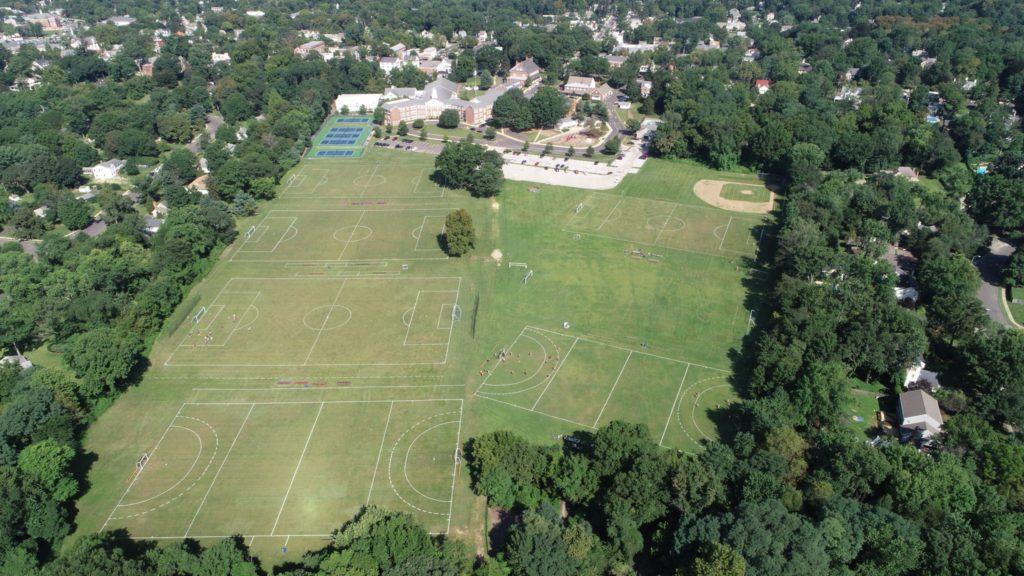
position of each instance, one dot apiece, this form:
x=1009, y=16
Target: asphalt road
x=990, y=266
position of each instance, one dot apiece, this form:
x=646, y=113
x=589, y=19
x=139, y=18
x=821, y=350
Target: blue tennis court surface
x=334, y=153
x=353, y=120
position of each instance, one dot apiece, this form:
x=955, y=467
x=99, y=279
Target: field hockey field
x=336, y=357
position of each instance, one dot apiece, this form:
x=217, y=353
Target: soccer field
x=336, y=357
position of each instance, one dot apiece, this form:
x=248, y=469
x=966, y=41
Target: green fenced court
x=341, y=137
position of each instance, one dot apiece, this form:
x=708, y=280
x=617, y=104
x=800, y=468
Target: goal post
x=198, y=315
x=250, y=232
x=456, y=313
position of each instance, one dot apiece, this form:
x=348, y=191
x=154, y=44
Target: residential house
x=200, y=185
x=525, y=71
x=763, y=86
x=645, y=87
x=615, y=61
x=17, y=359
x=389, y=63
x=305, y=49
x=907, y=172
x=108, y=170
x=218, y=57
x=49, y=21
x=580, y=85
x=398, y=50
x=920, y=416
x=439, y=67
x=120, y=21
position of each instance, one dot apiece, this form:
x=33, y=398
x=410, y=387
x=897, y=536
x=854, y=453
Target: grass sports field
x=336, y=357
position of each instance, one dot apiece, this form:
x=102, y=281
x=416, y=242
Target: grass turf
x=330, y=369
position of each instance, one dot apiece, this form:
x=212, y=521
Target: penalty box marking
x=252, y=406
x=405, y=341
x=263, y=224
x=447, y=345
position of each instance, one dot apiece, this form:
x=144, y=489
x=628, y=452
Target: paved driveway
x=991, y=293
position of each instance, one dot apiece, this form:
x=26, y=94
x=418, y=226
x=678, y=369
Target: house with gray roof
x=920, y=416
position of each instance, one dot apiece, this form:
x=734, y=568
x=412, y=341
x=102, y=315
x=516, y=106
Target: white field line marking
x=455, y=467
x=726, y=233
x=593, y=341
x=712, y=254
x=219, y=468
x=672, y=410
x=665, y=225
x=566, y=420
x=513, y=345
x=327, y=318
x=451, y=330
x=199, y=454
x=612, y=391
x=608, y=217
x=408, y=452
x=383, y=437
x=351, y=235
x=412, y=317
x=287, y=389
x=554, y=374
x=369, y=179
x=249, y=537
x=188, y=336
x=287, y=402
x=139, y=473
x=288, y=228
x=297, y=466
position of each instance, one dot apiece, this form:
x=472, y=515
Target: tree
x=74, y=214
x=403, y=128
x=1013, y=274
x=612, y=146
x=486, y=80
x=512, y=110
x=423, y=135
x=46, y=464
x=719, y=560
x=804, y=164
x=547, y=107
x=465, y=67
x=633, y=125
x=180, y=167
x=536, y=547
x=548, y=149
x=448, y=119
x=490, y=133
x=469, y=166
x=459, y=234
x=589, y=152
x=103, y=358
x=174, y=127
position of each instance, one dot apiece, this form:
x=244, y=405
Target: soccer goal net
x=250, y=232
x=198, y=315
x=456, y=313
